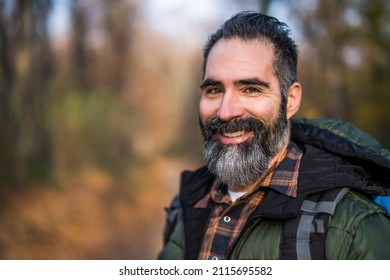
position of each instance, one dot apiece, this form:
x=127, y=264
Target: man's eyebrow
x=249, y=81
x=210, y=82
x=252, y=81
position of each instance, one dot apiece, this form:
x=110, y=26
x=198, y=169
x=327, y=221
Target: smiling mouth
x=234, y=134
x=236, y=137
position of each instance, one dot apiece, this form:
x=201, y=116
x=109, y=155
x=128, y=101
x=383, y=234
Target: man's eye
x=252, y=90
x=212, y=91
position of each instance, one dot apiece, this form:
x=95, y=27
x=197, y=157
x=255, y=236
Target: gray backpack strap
x=304, y=235
x=174, y=213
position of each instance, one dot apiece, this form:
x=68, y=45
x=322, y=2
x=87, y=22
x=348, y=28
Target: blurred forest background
x=97, y=119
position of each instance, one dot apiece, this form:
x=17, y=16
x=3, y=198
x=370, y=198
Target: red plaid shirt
x=228, y=218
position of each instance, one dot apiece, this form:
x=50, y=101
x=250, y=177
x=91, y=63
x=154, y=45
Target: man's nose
x=230, y=107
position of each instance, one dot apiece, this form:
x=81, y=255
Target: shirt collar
x=284, y=177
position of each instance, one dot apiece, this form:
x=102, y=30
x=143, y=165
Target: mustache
x=216, y=126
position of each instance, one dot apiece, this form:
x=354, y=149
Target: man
x=274, y=188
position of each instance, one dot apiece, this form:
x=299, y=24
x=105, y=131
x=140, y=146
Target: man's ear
x=294, y=95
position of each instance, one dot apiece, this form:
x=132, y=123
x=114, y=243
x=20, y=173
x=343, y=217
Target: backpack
x=303, y=236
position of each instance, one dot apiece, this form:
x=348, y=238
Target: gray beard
x=243, y=164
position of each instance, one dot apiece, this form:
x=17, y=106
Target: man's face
x=242, y=117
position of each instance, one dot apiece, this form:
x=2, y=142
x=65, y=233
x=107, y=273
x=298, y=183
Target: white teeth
x=234, y=134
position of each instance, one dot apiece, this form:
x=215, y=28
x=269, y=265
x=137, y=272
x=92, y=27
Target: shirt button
x=226, y=219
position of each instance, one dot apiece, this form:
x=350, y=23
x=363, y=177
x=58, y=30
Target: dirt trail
x=91, y=217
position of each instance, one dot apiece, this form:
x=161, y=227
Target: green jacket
x=335, y=155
